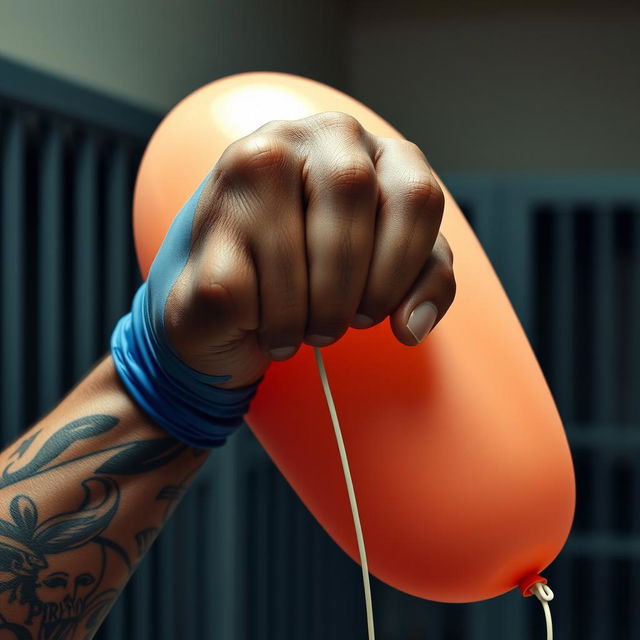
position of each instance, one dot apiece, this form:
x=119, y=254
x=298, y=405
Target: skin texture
x=304, y=227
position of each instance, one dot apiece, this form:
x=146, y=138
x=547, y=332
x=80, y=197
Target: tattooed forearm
x=80, y=504
x=127, y=458
x=30, y=550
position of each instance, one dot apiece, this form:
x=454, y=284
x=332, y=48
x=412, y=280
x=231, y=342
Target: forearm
x=82, y=496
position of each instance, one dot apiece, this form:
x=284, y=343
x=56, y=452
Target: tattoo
x=143, y=456
x=24, y=445
x=56, y=445
x=32, y=558
x=51, y=604
x=173, y=493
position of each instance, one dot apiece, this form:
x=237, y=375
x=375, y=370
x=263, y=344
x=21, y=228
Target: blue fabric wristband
x=177, y=397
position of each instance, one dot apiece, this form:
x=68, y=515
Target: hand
x=305, y=228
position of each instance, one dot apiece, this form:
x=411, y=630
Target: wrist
x=104, y=382
x=183, y=401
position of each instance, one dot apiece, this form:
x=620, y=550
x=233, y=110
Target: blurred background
x=529, y=111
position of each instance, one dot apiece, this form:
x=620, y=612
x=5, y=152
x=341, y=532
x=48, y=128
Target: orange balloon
x=461, y=466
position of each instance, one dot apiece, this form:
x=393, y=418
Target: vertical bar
x=302, y=574
x=252, y=532
x=388, y=616
x=492, y=618
x=515, y=258
x=86, y=254
x=187, y=557
x=562, y=588
x=243, y=462
x=317, y=581
x=204, y=605
x=214, y=581
x=478, y=622
x=140, y=591
x=562, y=313
x=13, y=278
x=604, y=370
x=515, y=611
x=50, y=277
x=634, y=338
x=333, y=586
x=634, y=417
x=263, y=551
x=486, y=203
x=222, y=518
x=118, y=228
x=604, y=379
x=167, y=596
x=434, y=620
x=281, y=557
x=600, y=620
x=113, y=627
x=634, y=598
x=355, y=601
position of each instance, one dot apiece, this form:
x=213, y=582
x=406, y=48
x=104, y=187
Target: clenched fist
x=304, y=229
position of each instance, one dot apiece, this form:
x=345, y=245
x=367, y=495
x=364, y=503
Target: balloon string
x=544, y=595
x=350, y=491
x=542, y=591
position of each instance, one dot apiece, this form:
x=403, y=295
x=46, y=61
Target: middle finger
x=342, y=191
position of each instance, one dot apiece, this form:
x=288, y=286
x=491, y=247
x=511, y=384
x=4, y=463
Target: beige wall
x=153, y=52
x=506, y=86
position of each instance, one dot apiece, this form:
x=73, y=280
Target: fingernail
x=361, y=321
x=281, y=353
x=319, y=341
x=422, y=319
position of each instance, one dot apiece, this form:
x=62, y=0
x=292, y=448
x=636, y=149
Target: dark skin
x=305, y=228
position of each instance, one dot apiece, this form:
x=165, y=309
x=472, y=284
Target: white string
x=545, y=595
x=542, y=591
x=350, y=491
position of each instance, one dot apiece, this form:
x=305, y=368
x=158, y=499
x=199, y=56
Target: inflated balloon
x=461, y=466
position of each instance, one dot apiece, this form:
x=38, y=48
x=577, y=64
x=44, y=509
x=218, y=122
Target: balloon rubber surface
x=460, y=463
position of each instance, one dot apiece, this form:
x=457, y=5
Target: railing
x=241, y=558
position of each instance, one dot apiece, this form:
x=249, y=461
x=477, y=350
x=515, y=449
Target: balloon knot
x=528, y=583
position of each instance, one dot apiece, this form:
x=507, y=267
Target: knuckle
x=206, y=292
x=424, y=193
x=448, y=253
x=353, y=175
x=255, y=153
x=442, y=250
x=414, y=148
x=448, y=283
x=272, y=126
x=288, y=130
x=341, y=121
